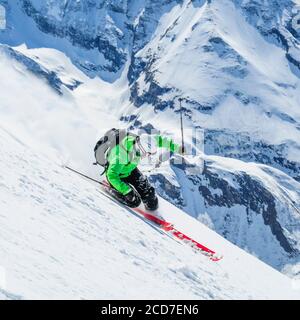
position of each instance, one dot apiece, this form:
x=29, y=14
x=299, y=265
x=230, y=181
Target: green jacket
x=125, y=157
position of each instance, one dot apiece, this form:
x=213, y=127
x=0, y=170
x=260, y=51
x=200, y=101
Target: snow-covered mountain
x=235, y=64
x=61, y=238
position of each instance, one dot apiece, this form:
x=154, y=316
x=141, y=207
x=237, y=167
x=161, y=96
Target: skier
x=120, y=152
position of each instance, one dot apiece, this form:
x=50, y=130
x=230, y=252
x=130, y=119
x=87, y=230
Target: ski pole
x=181, y=127
x=85, y=176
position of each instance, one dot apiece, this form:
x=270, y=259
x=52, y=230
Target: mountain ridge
x=235, y=65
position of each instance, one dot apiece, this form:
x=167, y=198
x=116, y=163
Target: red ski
x=164, y=225
x=169, y=229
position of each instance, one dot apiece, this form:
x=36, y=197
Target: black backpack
x=109, y=140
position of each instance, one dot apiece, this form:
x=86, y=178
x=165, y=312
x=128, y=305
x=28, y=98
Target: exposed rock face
x=51, y=77
x=251, y=150
x=232, y=75
x=256, y=212
x=113, y=30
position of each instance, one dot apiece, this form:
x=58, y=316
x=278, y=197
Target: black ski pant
x=146, y=192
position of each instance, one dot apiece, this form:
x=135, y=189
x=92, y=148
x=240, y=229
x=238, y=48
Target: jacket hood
x=128, y=143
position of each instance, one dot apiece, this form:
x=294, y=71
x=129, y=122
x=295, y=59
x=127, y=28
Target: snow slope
x=61, y=238
x=234, y=63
